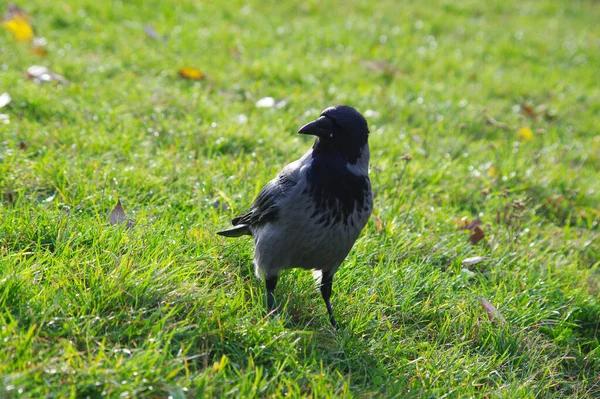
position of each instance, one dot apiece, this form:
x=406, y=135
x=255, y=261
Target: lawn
x=496, y=103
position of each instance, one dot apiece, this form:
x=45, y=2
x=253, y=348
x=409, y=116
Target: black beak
x=322, y=127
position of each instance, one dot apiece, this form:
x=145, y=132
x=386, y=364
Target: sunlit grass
x=498, y=105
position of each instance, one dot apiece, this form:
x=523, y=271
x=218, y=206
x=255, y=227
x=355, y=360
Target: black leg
x=271, y=283
x=326, y=283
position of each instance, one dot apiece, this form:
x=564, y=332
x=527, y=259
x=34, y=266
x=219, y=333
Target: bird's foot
x=334, y=323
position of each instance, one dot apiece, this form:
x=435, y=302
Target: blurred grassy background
x=498, y=104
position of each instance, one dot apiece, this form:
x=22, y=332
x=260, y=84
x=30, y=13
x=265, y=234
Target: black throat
x=349, y=151
x=337, y=192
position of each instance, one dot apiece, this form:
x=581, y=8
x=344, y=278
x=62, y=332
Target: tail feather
x=236, y=231
x=318, y=276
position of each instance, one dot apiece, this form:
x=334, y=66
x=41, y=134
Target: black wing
x=264, y=208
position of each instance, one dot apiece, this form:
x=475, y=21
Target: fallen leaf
x=473, y=261
x=5, y=99
x=38, y=50
x=118, y=216
x=492, y=312
x=470, y=225
x=461, y=222
x=524, y=134
x=528, y=110
x=477, y=235
x=18, y=22
x=378, y=223
x=41, y=74
x=538, y=112
x=191, y=73
x=39, y=46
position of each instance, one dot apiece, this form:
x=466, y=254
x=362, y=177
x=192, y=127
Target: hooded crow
x=311, y=214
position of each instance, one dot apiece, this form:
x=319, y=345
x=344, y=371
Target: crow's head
x=340, y=130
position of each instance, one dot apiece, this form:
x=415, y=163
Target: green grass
x=170, y=309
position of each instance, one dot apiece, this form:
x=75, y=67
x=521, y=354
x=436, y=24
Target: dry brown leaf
x=462, y=222
x=41, y=74
x=477, y=235
x=528, y=110
x=471, y=225
x=191, y=73
x=537, y=112
x=39, y=50
x=378, y=223
x=492, y=312
x=118, y=216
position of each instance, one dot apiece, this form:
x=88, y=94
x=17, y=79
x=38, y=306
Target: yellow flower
x=524, y=134
x=20, y=27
